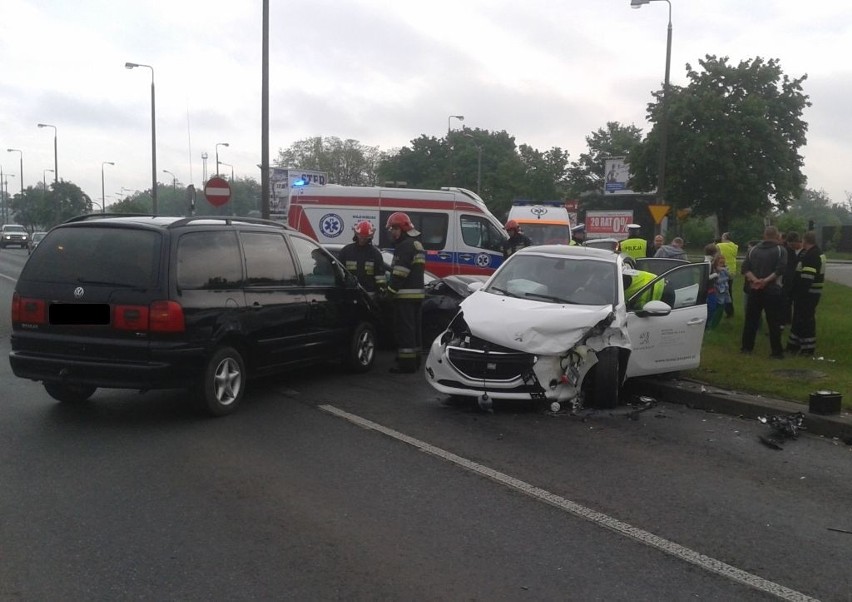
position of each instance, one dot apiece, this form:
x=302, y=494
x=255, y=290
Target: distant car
x=14, y=235
x=609, y=244
x=36, y=238
x=553, y=324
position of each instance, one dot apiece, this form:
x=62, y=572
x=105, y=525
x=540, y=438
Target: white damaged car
x=553, y=324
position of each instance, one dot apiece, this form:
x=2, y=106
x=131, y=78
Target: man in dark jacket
x=364, y=260
x=763, y=270
x=672, y=251
x=805, y=291
x=517, y=239
x=406, y=288
x=793, y=245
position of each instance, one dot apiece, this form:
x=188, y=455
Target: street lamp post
x=55, y=151
x=174, y=179
x=15, y=150
x=232, y=169
x=478, y=161
x=459, y=117
x=103, y=194
x=44, y=178
x=218, y=144
x=153, y=135
x=661, y=170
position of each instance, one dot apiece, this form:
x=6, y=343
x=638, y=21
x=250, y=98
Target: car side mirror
x=654, y=309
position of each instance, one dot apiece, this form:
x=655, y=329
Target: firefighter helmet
x=401, y=221
x=512, y=225
x=364, y=229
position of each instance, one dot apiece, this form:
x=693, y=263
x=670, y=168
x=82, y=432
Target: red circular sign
x=218, y=191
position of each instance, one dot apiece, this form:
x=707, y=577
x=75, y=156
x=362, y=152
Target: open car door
x=672, y=342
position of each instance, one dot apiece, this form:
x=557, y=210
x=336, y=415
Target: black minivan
x=146, y=302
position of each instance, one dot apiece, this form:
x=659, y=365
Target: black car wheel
x=69, y=393
x=607, y=379
x=223, y=384
x=362, y=348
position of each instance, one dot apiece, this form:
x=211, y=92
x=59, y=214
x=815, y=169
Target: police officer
x=578, y=234
x=635, y=280
x=634, y=246
x=364, y=260
x=517, y=239
x=406, y=290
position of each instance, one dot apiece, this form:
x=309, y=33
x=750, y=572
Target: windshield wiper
x=502, y=291
x=105, y=283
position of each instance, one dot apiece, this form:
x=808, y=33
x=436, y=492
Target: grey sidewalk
x=709, y=398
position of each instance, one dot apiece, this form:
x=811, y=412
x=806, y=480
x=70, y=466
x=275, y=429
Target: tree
x=586, y=174
x=43, y=208
x=733, y=140
x=347, y=162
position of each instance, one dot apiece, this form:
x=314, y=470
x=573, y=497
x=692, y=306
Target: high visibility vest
x=635, y=247
x=729, y=250
x=640, y=279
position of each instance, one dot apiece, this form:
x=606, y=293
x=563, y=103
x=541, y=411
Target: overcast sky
x=382, y=72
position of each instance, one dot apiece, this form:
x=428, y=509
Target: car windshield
x=10, y=228
x=92, y=254
x=547, y=234
x=579, y=281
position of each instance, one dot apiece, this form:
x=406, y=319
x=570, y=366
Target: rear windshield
x=91, y=254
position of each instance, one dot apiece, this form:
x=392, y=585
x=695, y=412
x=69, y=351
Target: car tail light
x=166, y=316
x=130, y=317
x=160, y=316
x=28, y=311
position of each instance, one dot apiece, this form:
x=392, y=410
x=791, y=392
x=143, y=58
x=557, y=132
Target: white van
x=459, y=233
x=546, y=223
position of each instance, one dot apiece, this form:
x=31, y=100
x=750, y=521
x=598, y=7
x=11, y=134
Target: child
x=722, y=281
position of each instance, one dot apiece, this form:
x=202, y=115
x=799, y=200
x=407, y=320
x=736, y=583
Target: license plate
x=79, y=314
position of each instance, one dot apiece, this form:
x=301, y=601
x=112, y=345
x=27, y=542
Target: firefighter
x=517, y=239
x=406, y=291
x=634, y=245
x=578, y=234
x=635, y=280
x=806, y=291
x=364, y=260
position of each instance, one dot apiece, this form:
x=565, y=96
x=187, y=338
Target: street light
x=174, y=178
x=153, y=135
x=218, y=144
x=103, y=195
x=232, y=169
x=661, y=170
x=459, y=117
x=478, y=160
x=44, y=178
x=55, y=151
x=15, y=150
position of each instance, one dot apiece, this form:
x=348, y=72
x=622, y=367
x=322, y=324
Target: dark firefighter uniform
x=366, y=263
x=406, y=290
x=806, y=291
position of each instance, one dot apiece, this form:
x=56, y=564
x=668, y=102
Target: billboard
x=608, y=224
x=617, y=174
x=281, y=183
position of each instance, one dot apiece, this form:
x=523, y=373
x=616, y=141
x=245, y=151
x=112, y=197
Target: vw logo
x=483, y=260
x=79, y=292
x=331, y=225
x=538, y=211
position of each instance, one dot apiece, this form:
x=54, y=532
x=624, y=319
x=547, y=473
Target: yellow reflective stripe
x=351, y=265
x=381, y=279
x=809, y=269
x=399, y=270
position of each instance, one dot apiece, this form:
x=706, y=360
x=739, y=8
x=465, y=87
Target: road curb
x=712, y=399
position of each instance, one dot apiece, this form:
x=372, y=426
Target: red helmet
x=364, y=229
x=400, y=220
x=512, y=225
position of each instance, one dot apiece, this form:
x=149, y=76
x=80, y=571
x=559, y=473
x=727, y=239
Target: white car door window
x=671, y=343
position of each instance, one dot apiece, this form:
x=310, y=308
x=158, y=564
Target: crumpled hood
x=529, y=326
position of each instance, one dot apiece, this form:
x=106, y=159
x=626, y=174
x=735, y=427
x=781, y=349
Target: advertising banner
x=608, y=224
x=617, y=175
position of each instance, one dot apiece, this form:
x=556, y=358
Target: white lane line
x=8, y=278
x=669, y=547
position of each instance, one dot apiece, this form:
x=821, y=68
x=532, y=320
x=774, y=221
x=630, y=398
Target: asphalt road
x=328, y=486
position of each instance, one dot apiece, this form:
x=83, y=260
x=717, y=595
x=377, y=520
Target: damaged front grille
x=483, y=364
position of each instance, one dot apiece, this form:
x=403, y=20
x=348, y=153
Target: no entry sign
x=217, y=191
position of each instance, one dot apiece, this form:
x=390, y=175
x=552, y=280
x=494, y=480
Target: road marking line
x=669, y=547
x=8, y=277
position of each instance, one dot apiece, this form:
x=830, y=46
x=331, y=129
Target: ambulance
x=545, y=222
x=459, y=233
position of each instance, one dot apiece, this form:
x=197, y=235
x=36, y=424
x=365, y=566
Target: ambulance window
x=432, y=227
x=480, y=233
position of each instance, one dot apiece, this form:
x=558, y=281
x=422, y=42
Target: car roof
x=569, y=251
x=169, y=221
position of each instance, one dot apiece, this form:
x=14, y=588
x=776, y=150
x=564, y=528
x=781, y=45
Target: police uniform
x=638, y=279
x=407, y=290
x=634, y=246
x=578, y=235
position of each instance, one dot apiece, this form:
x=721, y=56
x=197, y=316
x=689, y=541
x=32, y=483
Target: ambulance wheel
x=607, y=379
